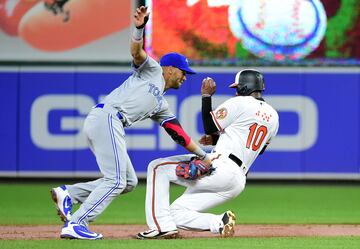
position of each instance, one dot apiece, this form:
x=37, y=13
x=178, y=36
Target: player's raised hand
x=208, y=87
x=141, y=16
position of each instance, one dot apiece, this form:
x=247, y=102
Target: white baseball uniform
x=104, y=129
x=246, y=125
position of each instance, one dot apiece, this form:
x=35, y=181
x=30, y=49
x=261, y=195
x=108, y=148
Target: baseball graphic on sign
x=278, y=30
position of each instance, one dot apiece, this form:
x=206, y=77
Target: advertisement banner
x=264, y=32
x=42, y=134
x=65, y=30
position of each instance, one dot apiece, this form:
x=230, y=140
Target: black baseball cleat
x=155, y=234
x=228, y=228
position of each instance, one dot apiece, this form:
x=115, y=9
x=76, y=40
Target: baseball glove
x=193, y=169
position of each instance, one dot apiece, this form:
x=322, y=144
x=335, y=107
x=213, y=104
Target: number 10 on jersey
x=256, y=136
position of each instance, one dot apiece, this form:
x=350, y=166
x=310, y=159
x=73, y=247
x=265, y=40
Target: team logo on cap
x=221, y=113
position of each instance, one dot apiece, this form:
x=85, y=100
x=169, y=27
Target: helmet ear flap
x=241, y=90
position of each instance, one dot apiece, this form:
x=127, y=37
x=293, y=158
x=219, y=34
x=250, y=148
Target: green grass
x=238, y=243
x=258, y=204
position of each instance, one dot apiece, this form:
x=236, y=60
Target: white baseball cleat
x=228, y=224
x=72, y=230
x=61, y=197
x=155, y=234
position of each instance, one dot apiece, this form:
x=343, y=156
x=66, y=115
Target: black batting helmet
x=248, y=81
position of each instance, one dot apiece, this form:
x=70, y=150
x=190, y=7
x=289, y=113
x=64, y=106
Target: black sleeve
x=209, y=125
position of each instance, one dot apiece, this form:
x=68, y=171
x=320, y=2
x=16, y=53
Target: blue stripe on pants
x=117, y=162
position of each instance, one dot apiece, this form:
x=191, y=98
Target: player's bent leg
x=98, y=201
x=129, y=187
x=171, y=159
x=159, y=175
x=80, y=191
x=131, y=178
x=131, y=184
x=221, y=186
x=157, y=195
x=186, y=212
x=224, y=224
x=107, y=138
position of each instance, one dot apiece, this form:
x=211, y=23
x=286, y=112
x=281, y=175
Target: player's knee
x=154, y=164
x=131, y=185
x=127, y=189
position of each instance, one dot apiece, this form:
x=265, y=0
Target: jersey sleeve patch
x=221, y=113
x=218, y=126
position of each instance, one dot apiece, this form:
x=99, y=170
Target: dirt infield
x=128, y=231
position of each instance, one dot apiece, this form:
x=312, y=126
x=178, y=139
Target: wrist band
x=206, y=157
x=137, y=34
x=200, y=153
x=205, y=95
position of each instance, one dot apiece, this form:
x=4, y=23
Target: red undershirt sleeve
x=176, y=132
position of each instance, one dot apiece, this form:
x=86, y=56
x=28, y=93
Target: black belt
x=118, y=114
x=235, y=159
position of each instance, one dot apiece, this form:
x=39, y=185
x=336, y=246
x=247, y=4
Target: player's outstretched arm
x=141, y=16
x=177, y=133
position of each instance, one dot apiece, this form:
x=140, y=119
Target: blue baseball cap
x=176, y=60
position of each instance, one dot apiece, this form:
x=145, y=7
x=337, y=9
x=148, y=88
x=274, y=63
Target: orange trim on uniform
x=153, y=189
x=216, y=122
x=214, y=158
x=153, y=193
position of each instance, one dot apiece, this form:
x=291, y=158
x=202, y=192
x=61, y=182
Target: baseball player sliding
x=104, y=129
x=241, y=128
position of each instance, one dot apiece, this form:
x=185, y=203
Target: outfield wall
x=43, y=110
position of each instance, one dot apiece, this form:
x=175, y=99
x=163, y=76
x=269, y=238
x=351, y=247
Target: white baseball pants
x=186, y=212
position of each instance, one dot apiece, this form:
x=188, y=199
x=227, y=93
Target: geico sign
x=157, y=139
